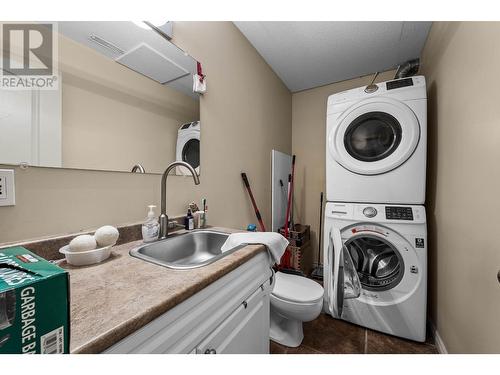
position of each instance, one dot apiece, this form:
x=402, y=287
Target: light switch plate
x=7, y=188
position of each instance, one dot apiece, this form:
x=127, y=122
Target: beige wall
x=245, y=114
x=309, y=144
x=460, y=61
x=107, y=108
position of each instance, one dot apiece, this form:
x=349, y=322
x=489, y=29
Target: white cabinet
x=246, y=330
x=230, y=315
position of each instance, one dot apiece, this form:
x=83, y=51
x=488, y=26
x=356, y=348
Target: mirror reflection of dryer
x=376, y=143
x=376, y=267
x=188, y=147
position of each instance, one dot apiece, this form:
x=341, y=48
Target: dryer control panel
x=398, y=213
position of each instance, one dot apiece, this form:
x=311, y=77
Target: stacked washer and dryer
x=375, y=236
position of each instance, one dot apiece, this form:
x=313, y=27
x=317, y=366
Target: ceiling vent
x=151, y=63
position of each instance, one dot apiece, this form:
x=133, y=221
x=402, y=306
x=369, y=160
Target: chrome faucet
x=138, y=168
x=163, y=216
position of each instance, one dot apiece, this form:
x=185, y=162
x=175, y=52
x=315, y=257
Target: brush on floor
x=317, y=273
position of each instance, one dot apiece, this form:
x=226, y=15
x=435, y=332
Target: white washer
x=188, y=146
x=375, y=267
x=376, y=143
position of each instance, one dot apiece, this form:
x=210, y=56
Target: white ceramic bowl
x=84, y=258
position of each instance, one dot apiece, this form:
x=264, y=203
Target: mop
x=317, y=273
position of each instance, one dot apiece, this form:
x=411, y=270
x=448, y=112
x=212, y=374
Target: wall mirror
x=124, y=99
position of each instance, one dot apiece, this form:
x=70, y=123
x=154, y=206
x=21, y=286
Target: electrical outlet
x=7, y=188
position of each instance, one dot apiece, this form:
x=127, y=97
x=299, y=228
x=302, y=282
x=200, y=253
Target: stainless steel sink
x=184, y=251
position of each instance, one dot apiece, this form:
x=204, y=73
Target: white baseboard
x=441, y=347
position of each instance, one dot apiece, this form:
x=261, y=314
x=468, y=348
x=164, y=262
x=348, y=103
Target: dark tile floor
x=326, y=335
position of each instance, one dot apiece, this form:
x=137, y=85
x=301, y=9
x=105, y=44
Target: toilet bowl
x=294, y=300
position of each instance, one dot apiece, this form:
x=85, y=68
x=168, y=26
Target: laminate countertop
x=113, y=299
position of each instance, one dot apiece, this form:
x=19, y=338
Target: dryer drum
x=191, y=153
x=378, y=263
x=373, y=136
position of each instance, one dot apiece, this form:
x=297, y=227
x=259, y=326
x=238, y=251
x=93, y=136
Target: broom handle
x=257, y=212
x=290, y=180
x=320, y=226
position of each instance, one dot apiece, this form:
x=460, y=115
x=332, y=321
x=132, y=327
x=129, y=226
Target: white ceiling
x=127, y=36
x=311, y=54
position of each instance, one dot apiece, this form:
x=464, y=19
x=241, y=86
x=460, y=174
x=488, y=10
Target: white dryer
x=376, y=143
x=188, y=146
x=375, y=267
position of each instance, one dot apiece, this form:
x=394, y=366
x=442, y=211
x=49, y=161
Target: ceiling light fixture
x=164, y=28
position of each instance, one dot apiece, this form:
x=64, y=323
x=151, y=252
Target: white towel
x=276, y=244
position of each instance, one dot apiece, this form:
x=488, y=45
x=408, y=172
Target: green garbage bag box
x=34, y=304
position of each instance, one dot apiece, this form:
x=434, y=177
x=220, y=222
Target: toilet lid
x=296, y=288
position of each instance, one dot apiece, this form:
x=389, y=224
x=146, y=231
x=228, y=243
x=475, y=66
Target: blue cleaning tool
x=252, y=228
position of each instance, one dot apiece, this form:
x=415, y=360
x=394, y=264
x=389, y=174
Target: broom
x=317, y=273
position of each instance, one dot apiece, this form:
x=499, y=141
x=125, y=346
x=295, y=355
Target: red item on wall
x=199, y=71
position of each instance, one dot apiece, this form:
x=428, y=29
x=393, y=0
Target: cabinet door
x=30, y=127
x=245, y=331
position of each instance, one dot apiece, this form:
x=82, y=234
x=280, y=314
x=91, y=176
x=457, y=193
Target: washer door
x=374, y=136
x=341, y=278
x=387, y=265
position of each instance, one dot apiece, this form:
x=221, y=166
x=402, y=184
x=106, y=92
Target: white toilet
x=294, y=299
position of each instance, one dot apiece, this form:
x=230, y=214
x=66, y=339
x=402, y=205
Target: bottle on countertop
x=189, y=221
x=198, y=219
x=203, y=215
x=151, y=227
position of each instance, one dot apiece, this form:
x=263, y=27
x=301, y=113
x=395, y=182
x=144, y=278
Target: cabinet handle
x=210, y=351
x=498, y=276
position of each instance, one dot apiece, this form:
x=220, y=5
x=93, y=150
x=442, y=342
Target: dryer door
x=188, y=150
x=191, y=152
x=374, y=136
x=343, y=276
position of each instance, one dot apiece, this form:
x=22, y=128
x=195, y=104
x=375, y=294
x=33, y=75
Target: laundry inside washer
x=379, y=265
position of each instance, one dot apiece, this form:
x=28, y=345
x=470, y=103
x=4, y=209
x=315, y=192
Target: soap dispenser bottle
x=189, y=221
x=151, y=227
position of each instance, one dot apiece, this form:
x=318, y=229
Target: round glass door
x=191, y=153
x=378, y=263
x=372, y=136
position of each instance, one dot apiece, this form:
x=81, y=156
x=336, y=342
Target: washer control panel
x=376, y=213
x=370, y=211
x=398, y=213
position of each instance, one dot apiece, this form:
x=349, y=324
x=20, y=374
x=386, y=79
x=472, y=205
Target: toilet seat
x=296, y=289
